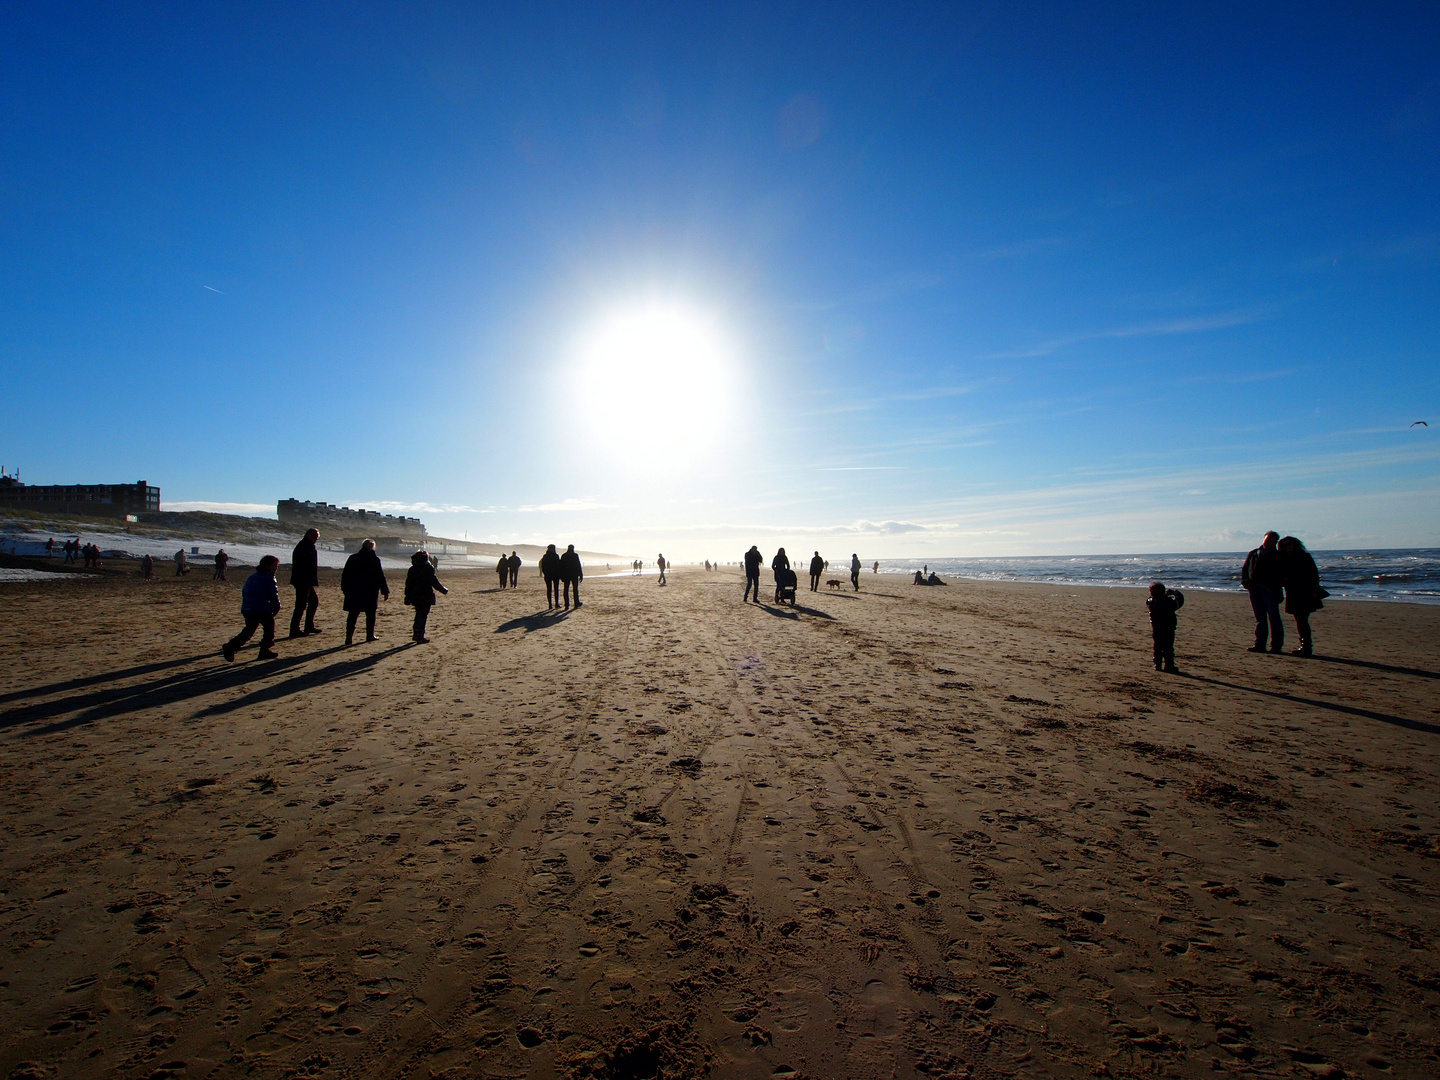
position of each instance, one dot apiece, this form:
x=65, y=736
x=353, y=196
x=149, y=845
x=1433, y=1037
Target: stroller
x=785, y=583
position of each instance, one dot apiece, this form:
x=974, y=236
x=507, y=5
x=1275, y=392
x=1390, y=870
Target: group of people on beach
x=362, y=583
x=74, y=551
x=785, y=577
x=1279, y=569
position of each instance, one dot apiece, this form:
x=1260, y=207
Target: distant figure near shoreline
x=550, y=571
x=571, y=574
x=502, y=568
x=514, y=564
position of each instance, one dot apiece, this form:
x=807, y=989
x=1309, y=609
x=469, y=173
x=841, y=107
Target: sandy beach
x=959, y=832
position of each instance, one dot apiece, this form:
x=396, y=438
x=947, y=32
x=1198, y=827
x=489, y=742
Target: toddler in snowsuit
x=1163, y=605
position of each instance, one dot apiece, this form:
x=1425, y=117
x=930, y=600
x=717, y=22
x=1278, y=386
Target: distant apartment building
x=103, y=500
x=340, y=521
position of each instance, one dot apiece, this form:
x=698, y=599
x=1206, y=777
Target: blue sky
x=977, y=279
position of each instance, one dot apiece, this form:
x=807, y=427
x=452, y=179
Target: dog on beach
x=834, y=583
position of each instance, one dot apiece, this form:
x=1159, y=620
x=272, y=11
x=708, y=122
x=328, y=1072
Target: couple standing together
x=1282, y=566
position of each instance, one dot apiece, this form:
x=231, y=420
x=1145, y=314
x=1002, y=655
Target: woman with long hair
x=1303, y=593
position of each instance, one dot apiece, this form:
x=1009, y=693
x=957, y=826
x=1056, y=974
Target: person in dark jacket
x=753, y=559
x=1263, y=575
x=817, y=567
x=777, y=564
x=513, y=564
x=550, y=571
x=661, y=564
x=502, y=568
x=1302, y=590
x=363, y=583
x=305, y=579
x=420, y=586
x=222, y=560
x=571, y=574
x=1163, y=605
x=259, y=604
x=855, y=571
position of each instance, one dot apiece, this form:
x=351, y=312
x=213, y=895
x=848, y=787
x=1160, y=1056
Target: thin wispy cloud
x=1159, y=328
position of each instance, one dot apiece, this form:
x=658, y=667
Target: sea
x=1408, y=575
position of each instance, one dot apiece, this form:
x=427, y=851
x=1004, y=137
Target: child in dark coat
x=259, y=604
x=1163, y=605
x=420, y=586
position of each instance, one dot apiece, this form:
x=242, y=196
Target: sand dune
x=910, y=832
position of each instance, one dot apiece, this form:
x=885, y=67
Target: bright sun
x=655, y=383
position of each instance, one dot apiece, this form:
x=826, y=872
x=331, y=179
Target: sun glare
x=656, y=382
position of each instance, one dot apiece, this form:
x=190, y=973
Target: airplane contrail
x=212, y=290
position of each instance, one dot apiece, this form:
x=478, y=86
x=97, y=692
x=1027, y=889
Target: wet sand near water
x=960, y=832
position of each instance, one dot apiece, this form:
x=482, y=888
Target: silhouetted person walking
x=305, y=580
x=222, y=560
x=147, y=567
x=550, y=571
x=502, y=568
x=1302, y=590
x=777, y=564
x=1264, y=576
x=420, y=587
x=571, y=574
x=363, y=583
x=753, y=559
x=855, y=571
x=514, y=564
x=50, y=548
x=660, y=562
x=817, y=567
x=182, y=563
x=259, y=604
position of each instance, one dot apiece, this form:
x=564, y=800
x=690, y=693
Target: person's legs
x=233, y=645
x=370, y=624
x=576, y=586
x=1302, y=628
x=1276, y=620
x=351, y=617
x=565, y=587
x=1258, y=606
x=299, y=610
x=1165, y=648
x=312, y=605
x=267, y=638
x=422, y=615
x=855, y=580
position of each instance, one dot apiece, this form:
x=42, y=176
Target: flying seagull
x=1420, y=423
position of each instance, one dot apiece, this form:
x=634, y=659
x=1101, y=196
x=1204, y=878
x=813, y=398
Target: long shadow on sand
x=1374, y=666
x=91, y=680
x=782, y=612
x=119, y=700
x=530, y=623
x=1349, y=710
x=308, y=680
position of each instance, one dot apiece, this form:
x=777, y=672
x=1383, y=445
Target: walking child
x=1163, y=605
x=259, y=604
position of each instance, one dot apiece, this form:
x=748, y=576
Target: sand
x=910, y=832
